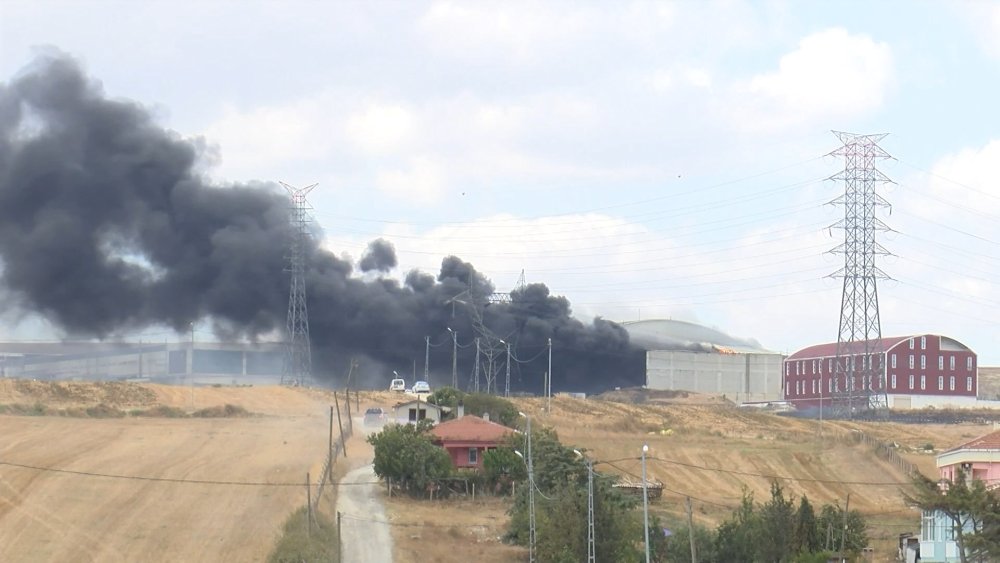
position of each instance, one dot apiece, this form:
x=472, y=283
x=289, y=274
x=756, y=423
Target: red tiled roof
x=990, y=441
x=470, y=428
x=829, y=349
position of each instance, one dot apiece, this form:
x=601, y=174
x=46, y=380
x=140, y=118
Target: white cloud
x=380, y=128
x=422, y=181
x=831, y=74
x=975, y=168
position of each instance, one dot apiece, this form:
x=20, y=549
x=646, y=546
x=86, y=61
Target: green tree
x=848, y=529
x=405, y=454
x=776, y=527
x=735, y=538
x=806, y=535
x=501, y=467
x=973, y=511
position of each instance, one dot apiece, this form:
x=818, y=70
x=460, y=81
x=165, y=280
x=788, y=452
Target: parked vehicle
x=398, y=385
x=421, y=388
x=374, y=416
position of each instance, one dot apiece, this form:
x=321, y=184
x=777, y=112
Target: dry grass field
x=154, y=489
x=158, y=489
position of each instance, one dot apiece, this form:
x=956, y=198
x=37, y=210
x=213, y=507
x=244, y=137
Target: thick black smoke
x=106, y=228
x=380, y=256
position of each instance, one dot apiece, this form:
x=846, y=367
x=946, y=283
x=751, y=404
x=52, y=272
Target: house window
x=911, y=344
x=923, y=342
x=788, y=369
x=829, y=384
x=968, y=363
x=923, y=382
x=788, y=388
x=968, y=383
x=911, y=382
x=814, y=387
x=911, y=361
x=830, y=365
x=941, y=363
x=893, y=381
x=940, y=383
x=473, y=456
x=928, y=530
x=951, y=383
x=797, y=367
x=894, y=361
x=923, y=361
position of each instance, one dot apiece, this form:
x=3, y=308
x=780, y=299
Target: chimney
x=486, y=416
x=461, y=410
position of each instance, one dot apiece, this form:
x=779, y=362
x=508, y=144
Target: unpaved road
x=364, y=530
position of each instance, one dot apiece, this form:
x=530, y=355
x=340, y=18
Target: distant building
x=467, y=438
x=978, y=459
x=683, y=356
x=177, y=362
x=411, y=412
x=923, y=370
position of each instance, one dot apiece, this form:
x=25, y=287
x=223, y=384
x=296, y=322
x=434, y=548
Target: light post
x=531, y=496
x=454, y=357
x=548, y=383
x=506, y=387
x=427, y=358
x=591, y=548
x=645, y=500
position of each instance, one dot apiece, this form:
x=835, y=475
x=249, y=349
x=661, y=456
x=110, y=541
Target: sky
x=644, y=159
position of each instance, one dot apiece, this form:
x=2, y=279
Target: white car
x=397, y=385
x=421, y=388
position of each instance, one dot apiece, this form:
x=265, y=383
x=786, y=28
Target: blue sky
x=643, y=159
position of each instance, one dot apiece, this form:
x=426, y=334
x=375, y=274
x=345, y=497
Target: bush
x=162, y=411
x=227, y=411
x=405, y=454
x=104, y=411
x=299, y=543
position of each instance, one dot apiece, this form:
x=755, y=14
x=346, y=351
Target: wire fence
x=885, y=450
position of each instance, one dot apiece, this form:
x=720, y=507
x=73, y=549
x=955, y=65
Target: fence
x=334, y=449
x=884, y=450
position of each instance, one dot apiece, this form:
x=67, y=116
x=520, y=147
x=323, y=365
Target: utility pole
x=694, y=552
x=476, y=370
x=548, y=382
x=859, y=338
x=645, y=501
x=506, y=388
x=591, y=546
x=531, y=496
x=454, y=358
x=843, y=531
x=427, y=358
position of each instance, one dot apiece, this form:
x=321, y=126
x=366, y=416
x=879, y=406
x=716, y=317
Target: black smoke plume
x=106, y=228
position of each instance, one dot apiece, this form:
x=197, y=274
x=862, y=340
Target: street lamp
x=531, y=496
x=506, y=388
x=591, y=548
x=454, y=357
x=645, y=500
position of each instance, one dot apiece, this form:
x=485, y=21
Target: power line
x=170, y=479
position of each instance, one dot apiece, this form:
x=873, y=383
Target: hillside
x=157, y=489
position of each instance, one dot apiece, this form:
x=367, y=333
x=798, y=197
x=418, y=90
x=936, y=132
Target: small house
x=467, y=438
x=977, y=459
x=416, y=410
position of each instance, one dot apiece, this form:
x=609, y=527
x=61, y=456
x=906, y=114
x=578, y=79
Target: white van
x=398, y=385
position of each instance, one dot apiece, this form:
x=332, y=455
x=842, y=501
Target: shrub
x=299, y=543
x=227, y=411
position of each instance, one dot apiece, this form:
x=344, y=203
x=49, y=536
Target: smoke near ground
x=106, y=228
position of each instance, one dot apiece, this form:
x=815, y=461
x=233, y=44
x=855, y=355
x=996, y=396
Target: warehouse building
x=685, y=356
x=922, y=370
x=197, y=363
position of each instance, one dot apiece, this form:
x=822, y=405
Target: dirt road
x=365, y=534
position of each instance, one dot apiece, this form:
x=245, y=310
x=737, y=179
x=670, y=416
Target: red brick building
x=921, y=371
x=467, y=438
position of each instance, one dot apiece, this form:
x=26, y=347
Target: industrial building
x=922, y=370
x=684, y=356
x=189, y=363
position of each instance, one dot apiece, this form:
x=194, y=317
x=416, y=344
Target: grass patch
x=37, y=409
x=160, y=411
x=227, y=411
x=104, y=411
x=299, y=543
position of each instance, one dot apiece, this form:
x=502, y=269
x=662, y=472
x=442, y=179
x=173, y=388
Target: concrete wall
x=741, y=377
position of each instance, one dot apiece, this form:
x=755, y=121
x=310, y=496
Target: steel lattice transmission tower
x=859, y=363
x=297, y=368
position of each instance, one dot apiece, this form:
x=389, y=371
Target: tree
x=501, y=467
x=776, y=527
x=972, y=510
x=805, y=538
x=849, y=529
x=735, y=538
x=405, y=454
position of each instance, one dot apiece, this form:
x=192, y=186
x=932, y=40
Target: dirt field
x=128, y=488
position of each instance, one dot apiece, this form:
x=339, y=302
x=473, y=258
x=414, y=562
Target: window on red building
x=940, y=383
x=951, y=383
x=893, y=381
x=941, y=363
x=893, y=361
x=473, y=456
x=968, y=363
x=968, y=383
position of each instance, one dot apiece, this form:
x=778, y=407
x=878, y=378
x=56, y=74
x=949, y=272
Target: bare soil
x=147, y=489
